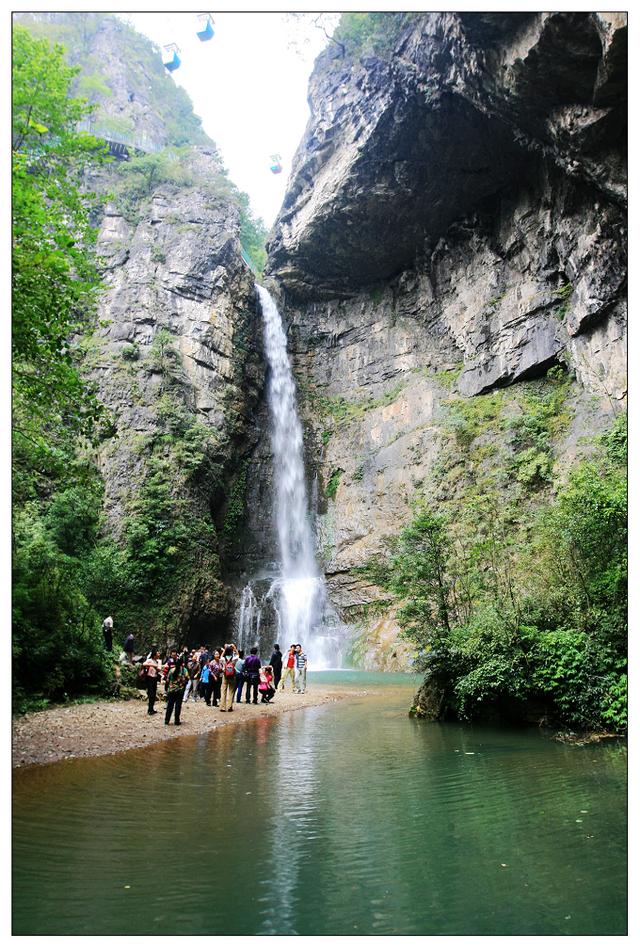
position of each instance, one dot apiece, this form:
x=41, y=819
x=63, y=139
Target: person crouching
x=265, y=687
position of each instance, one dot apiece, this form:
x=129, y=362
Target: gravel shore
x=108, y=727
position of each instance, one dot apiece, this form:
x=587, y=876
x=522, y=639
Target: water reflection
x=346, y=819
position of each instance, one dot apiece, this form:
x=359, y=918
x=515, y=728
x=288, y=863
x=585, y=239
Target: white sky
x=249, y=86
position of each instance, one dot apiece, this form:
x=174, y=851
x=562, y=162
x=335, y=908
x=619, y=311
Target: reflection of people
x=301, y=671
x=107, y=631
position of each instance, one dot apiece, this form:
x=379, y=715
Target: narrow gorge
x=389, y=427
x=450, y=263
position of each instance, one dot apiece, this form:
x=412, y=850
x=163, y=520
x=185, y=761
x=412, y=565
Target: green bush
x=510, y=607
x=333, y=483
x=366, y=34
x=130, y=352
x=57, y=640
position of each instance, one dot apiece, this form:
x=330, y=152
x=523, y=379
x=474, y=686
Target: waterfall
x=248, y=633
x=298, y=594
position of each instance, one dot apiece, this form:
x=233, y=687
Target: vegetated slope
x=140, y=522
x=451, y=253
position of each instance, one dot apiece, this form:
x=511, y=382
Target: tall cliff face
x=454, y=228
x=121, y=73
x=176, y=350
x=178, y=362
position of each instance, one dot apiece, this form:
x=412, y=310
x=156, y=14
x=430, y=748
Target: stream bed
x=349, y=818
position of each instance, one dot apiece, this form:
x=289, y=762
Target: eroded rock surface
x=454, y=226
x=178, y=360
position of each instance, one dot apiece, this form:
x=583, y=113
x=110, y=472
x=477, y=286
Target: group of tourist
x=219, y=677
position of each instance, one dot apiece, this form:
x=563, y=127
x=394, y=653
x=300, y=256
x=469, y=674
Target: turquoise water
x=350, y=818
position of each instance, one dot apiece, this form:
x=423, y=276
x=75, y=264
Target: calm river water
x=349, y=818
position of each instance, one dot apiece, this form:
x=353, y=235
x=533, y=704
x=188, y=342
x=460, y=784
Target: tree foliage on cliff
x=54, y=276
x=541, y=623
x=145, y=74
x=54, y=282
x=369, y=34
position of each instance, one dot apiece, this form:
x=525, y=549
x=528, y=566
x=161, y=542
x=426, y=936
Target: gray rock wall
x=454, y=225
x=179, y=333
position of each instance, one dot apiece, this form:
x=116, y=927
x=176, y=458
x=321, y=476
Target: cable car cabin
x=205, y=27
x=276, y=166
x=170, y=59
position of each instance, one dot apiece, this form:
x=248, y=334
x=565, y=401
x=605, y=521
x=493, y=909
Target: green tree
x=420, y=574
x=56, y=638
x=512, y=607
x=54, y=276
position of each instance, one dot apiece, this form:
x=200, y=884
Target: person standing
x=204, y=655
x=129, y=648
x=301, y=671
x=276, y=663
x=169, y=663
x=240, y=674
x=228, y=678
x=206, y=684
x=107, y=631
x=193, y=668
x=215, y=678
x=154, y=668
x=252, y=674
x=176, y=680
x=289, y=669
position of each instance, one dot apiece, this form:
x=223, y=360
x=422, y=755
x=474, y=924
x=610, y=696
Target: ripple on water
x=345, y=819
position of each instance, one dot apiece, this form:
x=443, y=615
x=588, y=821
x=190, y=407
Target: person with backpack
x=240, y=679
x=289, y=668
x=252, y=674
x=153, y=666
x=229, y=659
x=276, y=663
x=177, y=678
x=215, y=677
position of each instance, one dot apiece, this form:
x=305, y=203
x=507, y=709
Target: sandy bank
x=108, y=727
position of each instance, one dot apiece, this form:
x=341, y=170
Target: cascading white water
x=299, y=593
x=248, y=632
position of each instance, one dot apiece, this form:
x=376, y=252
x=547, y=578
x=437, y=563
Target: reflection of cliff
x=454, y=225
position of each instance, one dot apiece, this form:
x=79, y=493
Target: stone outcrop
x=175, y=354
x=178, y=348
x=454, y=225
